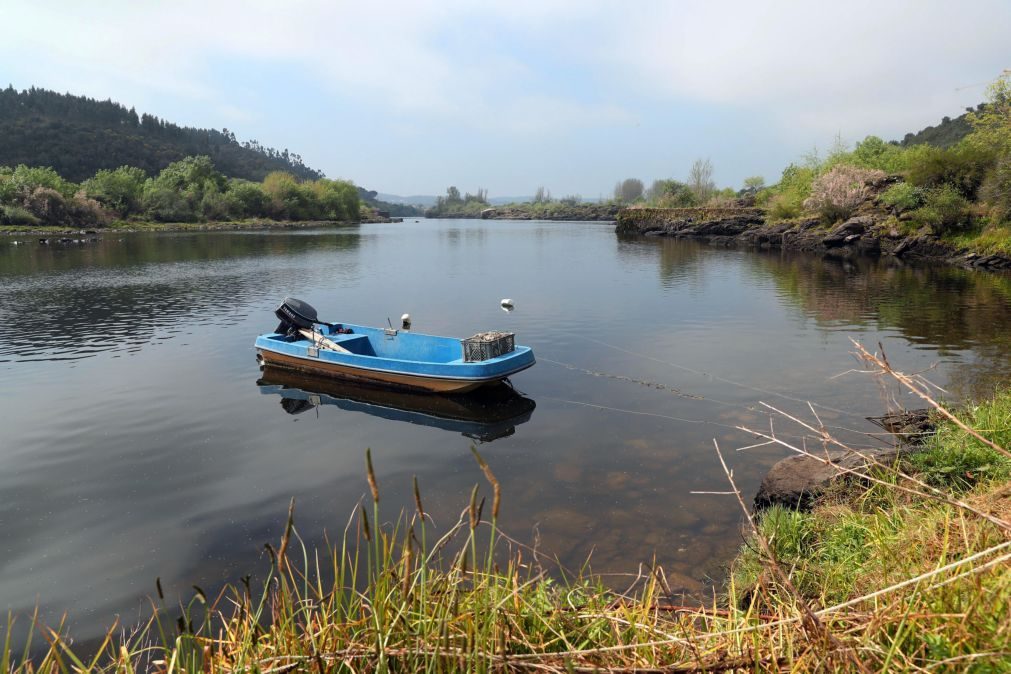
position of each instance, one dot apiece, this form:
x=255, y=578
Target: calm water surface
x=135, y=441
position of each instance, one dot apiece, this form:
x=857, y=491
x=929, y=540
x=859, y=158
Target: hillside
x=945, y=134
x=78, y=136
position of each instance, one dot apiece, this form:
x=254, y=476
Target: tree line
x=188, y=190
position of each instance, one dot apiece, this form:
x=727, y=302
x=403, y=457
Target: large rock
x=796, y=481
x=845, y=233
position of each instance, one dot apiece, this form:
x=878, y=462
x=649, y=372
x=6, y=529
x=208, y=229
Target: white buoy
x=507, y=304
x=405, y=321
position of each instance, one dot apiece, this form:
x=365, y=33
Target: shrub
x=121, y=189
x=874, y=153
x=996, y=190
x=672, y=194
x=944, y=210
x=17, y=216
x=247, y=198
x=902, y=197
x=27, y=179
x=48, y=205
x=785, y=200
x=214, y=205
x=836, y=194
x=166, y=204
x=871, y=153
x=84, y=211
x=963, y=166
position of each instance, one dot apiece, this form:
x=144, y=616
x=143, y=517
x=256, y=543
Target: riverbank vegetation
x=899, y=568
x=956, y=192
x=959, y=191
x=190, y=190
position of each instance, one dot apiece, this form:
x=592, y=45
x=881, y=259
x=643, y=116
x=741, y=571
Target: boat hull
x=406, y=361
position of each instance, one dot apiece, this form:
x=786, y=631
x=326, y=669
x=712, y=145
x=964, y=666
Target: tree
x=628, y=190
x=753, y=184
x=669, y=193
x=121, y=189
x=700, y=180
x=991, y=123
x=542, y=196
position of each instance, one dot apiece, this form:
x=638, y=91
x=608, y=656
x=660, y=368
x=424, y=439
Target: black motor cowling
x=295, y=315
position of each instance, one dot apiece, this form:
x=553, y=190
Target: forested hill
x=945, y=134
x=78, y=136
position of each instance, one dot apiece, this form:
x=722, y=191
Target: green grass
x=988, y=240
x=957, y=461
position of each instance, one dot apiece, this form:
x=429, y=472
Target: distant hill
x=428, y=200
x=394, y=208
x=945, y=134
x=78, y=136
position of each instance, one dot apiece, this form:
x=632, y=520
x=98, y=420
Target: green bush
x=963, y=166
x=902, y=197
x=17, y=216
x=121, y=189
x=165, y=204
x=785, y=200
x=246, y=199
x=996, y=191
x=872, y=153
x=944, y=210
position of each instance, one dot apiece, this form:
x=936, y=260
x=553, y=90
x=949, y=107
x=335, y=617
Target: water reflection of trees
x=944, y=308
x=679, y=261
x=115, y=250
x=962, y=314
x=118, y=292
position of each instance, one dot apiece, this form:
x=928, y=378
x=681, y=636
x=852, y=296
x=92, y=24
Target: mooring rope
x=715, y=377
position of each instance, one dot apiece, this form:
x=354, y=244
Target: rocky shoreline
x=866, y=233
x=576, y=213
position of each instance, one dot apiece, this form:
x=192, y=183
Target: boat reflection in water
x=488, y=413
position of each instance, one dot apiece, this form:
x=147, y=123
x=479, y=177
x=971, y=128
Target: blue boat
x=388, y=356
x=484, y=415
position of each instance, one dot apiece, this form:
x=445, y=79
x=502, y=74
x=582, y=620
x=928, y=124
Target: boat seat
x=358, y=344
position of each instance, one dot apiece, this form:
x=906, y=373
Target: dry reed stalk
x=885, y=367
x=282, y=550
x=495, y=486
x=371, y=474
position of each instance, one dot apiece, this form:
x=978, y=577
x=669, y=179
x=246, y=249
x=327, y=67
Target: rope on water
x=715, y=377
x=641, y=382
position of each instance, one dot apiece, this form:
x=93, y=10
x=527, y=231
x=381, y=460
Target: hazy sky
x=409, y=97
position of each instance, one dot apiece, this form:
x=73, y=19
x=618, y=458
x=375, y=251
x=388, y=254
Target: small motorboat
x=487, y=414
x=388, y=356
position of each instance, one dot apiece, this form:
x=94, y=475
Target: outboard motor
x=296, y=315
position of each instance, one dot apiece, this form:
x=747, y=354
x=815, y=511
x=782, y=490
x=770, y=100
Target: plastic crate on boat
x=488, y=345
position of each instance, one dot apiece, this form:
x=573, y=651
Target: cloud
x=823, y=66
x=738, y=79
x=394, y=58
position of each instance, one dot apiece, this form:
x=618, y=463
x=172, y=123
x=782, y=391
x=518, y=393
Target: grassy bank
x=900, y=569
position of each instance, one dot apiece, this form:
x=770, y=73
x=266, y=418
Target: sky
x=572, y=95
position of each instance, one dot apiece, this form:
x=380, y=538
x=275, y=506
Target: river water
x=137, y=440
